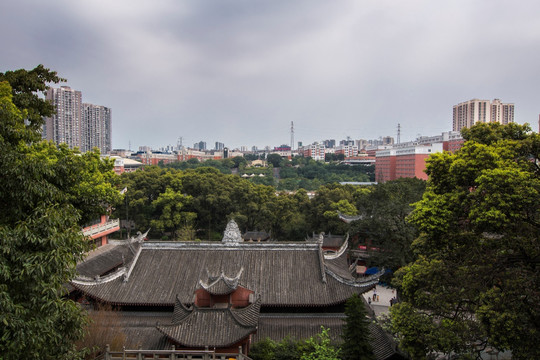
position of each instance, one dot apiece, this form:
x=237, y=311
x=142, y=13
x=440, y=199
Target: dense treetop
x=474, y=283
x=47, y=192
x=284, y=174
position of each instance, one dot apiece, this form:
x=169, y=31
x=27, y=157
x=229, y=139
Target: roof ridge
x=321, y=259
x=131, y=266
x=190, y=245
x=248, y=316
x=228, y=284
x=340, y=252
x=180, y=311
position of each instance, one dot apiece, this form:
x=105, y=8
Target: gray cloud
x=240, y=71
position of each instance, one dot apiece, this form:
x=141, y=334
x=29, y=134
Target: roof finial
x=232, y=234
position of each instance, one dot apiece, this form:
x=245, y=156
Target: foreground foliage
x=475, y=282
x=317, y=347
x=356, y=341
x=384, y=226
x=322, y=348
x=44, y=193
x=286, y=349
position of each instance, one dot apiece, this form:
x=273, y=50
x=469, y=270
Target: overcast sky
x=239, y=72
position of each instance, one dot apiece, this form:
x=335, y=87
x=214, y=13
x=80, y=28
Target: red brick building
x=404, y=162
x=316, y=151
x=409, y=159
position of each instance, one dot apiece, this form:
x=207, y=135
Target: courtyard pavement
x=382, y=304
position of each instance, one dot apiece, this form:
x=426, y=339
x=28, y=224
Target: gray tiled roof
x=304, y=326
x=284, y=274
x=329, y=240
x=383, y=346
x=298, y=326
x=107, y=258
x=339, y=266
x=213, y=327
x=220, y=285
x=180, y=312
x=140, y=329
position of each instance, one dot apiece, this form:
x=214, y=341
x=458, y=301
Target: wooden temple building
x=223, y=295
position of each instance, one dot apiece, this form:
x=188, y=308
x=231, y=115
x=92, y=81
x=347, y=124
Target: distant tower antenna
x=398, y=132
x=292, y=135
x=129, y=145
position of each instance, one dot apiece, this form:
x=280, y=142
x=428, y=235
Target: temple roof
x=213, y=327
x=110, y=256
x=140, y=329
x=284, y=274
x=106, y=258
x=329, y=240
x=350, y=218
x=180, y=312
x=221, y=285
x=304, y=326
x=256, y=235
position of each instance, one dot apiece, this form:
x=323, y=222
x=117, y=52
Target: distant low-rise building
x=154, y=158
x=316, y=151
x=347, y=150
x=409, y=159
x=122, y=165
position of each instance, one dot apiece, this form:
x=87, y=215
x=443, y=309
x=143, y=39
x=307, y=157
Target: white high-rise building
x=84, y=126
x=65, y=125
x=96, y=128
x=468, y=113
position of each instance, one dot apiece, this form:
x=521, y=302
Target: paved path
x=385, y=294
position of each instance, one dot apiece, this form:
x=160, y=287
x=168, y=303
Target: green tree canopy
x=476, y=278
x=274, y=159
x=46, y=193
x=322, y=347
x=356, y=341
x=239, y=161
x=26, y=85
x=171, y=207
x=384, y=226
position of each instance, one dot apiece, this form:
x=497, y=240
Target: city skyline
x=239, y=73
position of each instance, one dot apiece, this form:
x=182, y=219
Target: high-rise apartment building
x=96, y=128
x=65, y=125
x=468, y=113
x=201, y=145
x=84, y=126
x=329, y=143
